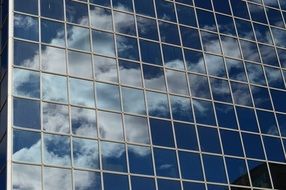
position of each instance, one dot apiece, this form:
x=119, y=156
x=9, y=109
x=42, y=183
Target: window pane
x=26, y=177
x=225, y=116
x=26, y=83
x=108, y=96
x=173, y=57
x=150, y=52
x=204, y=112
x=133, y=101
x=209, y=139
x=177, y=82
x=57, y=150
x=181, y=108
x=199, y=86
x=124, y=23
x=110, y=126
x=147, y=28
x=138, y=155
x=26, y=54
x=26, y=146
x=76, y=12
x=103, y=43
x=186, y=136
x=26, y=113
x=81, y=92
x=92, y=180
x=191, y=167
x=54, y=88
x=52, y=9
x=136, y=129
x=26, y=27
x=141, y=183
x=162, y=133
x=26, y=6
x=83, y=122
x=246, y=119
x=80, y=64
x=85, y=153
x=130, y=73
x=214, y=168
x=164, y=157
x=253, y=146
x=53, y=59
x=237, y=171
x=113, y=156
x=154, y=77
x=105, y=69
x=231, y=143
x=54, y=177
x=115, y=180
x=100, y=18
x=127, y=47
x=52, y=33
x=55, y=118
x=158, y=105
x=78, y=38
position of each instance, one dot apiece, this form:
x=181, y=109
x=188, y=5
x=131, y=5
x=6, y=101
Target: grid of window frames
x=149, y=94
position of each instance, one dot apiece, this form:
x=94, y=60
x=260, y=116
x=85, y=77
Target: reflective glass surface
x=143, y=94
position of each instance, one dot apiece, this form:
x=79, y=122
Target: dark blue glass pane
x=26, y=113
x=206, y=19
x=204, y=4
x=261, y=97
x=190, y=38
x=214, y=168
x=138, y=155
x=114, y=180
x=181, y=108
x=26, y=6
x=52, y=32
x=267, y=122
x=145, y=7
x=164, y=184
x=194, y=61
x=246, y=119
x=166, y=162
x=162, y=133
x=204, y=112
x=244, y=29
x=209, y=139
x=237, y=172
x=127, y=47
x=125, y=5
x=165, y=10
x=274, y=77
x=191, y=167
x=186, y=136
x=26, y=27
x=150, y=52
x=282, y=123
x=141, y=183
x=52, y=9
x=220, y=90
x=169, y=33
x=186, y=15
x=277, y=96
x=262, y=33
x=199, y=86
x=235, y=70
x=231, y=143
x=239, y=8
x=225, y=24
x=173, y=57
x=76, y=12
x=253, y=146
x=273, y=148
x=221, y=6
x=225, y=116
x=257, y=13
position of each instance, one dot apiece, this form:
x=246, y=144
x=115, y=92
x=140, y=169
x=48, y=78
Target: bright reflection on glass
x=87, y=180
x=133, y=101
x=130, y=73
x=55, y=118
x=83, y=122
x=81, y=92
x=78, y=38
x=158, y=105
x=56, y=178
x=103, y=43
x=100, y=18
x=110, y=125
x=53, y=59
x=136, y=129
x=105, y=69
x=79, y=64
x=26, y=177
x=108, y=96
x=54, y=88
x=85, y=153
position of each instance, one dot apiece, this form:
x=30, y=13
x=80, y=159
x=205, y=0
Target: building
x=143, y=95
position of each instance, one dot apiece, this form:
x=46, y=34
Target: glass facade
x=143, y=95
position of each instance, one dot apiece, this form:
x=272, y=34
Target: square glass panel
x=138, y=155
x=215, y=65
x=141, y=183
x=267, y=122
x=26, y=6
x=103, y=43
x=53, y=59
x=209, y=139
x=181, y=108
x=114, y=180
x=26, y=146
x=105, y=69
x=214, y=168
x=165, y=184
x=87, y=180
x=26, y=27
x=55, y=118
x=79, y=64
x=54, y=88
x=133, y=100
x=113, y=156
x=169, y=33
x=190, y=38
x=147, y=28
x=173, y=57
x=85, y=153
x=26, y=83
x=191, y=167
x=108, y=96
x=246, y=119
x=225, y=116
x=177, y=82
x=163, y=158
x=237, y=171
x=26, y=177
x=76, y=12
x=162, y=133
x=52, y=9
x=81, y=92
x=204, y=112
x=83, y=122
x=136, y=129
x=127, y=47
x=100, y=18
x=54, y=177
x=253, y=146
x=199, y=86
x=150, y=52
x=158, y=104
x=124, y=23
x=26, y=54
x=130, y=73
x=194, y=61
x=78, y=38
x=241, y=94
x=186, y=136
x=57, y=150
x=110, y=126
x=154, y=77
x=52, y=33
x=231, y=143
